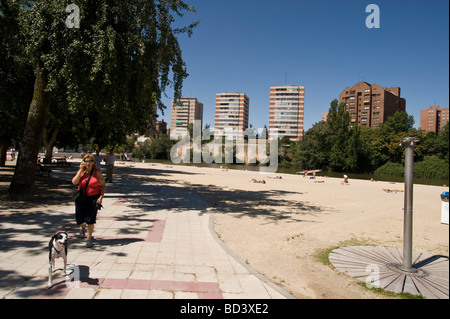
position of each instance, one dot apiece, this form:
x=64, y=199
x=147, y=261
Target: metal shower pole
x=410, y=143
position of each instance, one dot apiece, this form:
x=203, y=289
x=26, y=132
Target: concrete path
x=151, y=241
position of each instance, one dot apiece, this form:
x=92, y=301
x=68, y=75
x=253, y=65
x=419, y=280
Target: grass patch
x=322, y=254
x=390, y=294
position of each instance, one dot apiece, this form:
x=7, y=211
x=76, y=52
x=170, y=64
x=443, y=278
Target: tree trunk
x=22, y=184
x=3, y=154
x=48, y=143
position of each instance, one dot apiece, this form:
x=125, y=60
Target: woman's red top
x=93, y=187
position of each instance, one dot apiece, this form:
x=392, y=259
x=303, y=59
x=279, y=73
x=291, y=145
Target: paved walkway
x=151, y=241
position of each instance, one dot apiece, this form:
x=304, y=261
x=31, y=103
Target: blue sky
x=324, y=45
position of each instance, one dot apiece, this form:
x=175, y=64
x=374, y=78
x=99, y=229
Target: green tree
x=16, y=79
x=366, y=162
x=353, y=150
x=386, y=139
x=312, y=152
x=154, y=147
x=339, y=123
x=442, y=143
x=429, y=141
x=285, y=151
x=114, y=68
x=398, y=123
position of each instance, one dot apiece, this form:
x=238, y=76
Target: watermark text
x=373, y=19
x=73, y=20
x=225, y=146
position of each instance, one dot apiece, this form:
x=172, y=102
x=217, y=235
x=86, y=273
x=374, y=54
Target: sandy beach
x=279, y=226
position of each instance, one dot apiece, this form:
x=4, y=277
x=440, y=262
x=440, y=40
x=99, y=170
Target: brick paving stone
x=151, y=241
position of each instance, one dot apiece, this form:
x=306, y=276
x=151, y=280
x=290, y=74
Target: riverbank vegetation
x=336, y=146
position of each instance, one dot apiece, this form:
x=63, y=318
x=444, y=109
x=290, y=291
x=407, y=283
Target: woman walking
x=86, y=211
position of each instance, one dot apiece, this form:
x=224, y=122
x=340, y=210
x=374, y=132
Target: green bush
x=431, y=167
x=393, y=169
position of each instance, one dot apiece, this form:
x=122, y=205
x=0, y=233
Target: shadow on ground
x=26, y=227
x=148, y=192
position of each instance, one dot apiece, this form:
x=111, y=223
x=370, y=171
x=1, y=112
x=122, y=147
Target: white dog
x=57, y=248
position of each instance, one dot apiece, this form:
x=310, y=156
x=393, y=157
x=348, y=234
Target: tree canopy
x=109, y=74
x=337, y=146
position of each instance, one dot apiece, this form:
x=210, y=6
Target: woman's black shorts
x=86, y=212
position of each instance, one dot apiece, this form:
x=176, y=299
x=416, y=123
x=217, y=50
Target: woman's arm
x=77, y=177
x=102, y=184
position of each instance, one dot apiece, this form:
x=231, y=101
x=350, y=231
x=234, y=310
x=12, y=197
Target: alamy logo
x=373, y=279
x=73, y=278
x=73, y=20
x=222, y=148
x=373, y=19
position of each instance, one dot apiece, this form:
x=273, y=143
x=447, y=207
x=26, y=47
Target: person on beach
x=86, y=211
x=254, y=180
x=345, y=181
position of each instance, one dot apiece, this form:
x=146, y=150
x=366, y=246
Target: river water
x=387, y=178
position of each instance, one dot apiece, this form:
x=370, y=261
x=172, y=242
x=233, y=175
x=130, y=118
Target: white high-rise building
x=286, y=111
x=231, y=113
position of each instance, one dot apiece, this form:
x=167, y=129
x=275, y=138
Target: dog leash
x=57, y=251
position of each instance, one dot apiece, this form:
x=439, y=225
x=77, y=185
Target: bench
x=43, y=169
x=62, y=162
x=55, y=162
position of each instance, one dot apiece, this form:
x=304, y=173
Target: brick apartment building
x=370, y=105
x=231, y=113
x=184, y=112
x=286, y=111
x=433, y=118
x=161, y=127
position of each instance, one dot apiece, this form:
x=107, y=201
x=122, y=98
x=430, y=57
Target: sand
x=279, y=227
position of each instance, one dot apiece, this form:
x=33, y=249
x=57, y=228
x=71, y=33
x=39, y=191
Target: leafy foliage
x=109, y=75
x=16, y=78
x=335, y=145
x=432, y=167
x=155, y=147
x=393, y=169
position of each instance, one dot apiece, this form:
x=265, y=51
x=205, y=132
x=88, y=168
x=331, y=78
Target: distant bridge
x=309, y=171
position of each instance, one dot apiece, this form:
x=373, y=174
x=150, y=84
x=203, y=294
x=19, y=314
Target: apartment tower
x=184, y=112
x=287, y=104
x=370, y=105
x=231, y=113
x=433, y=118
